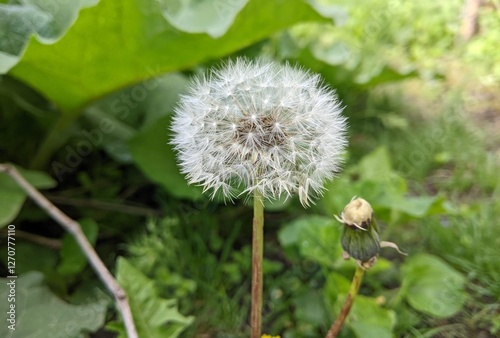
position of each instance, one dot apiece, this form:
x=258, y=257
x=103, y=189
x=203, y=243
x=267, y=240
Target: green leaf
x=376, y=166
x=417, y=206
x=31, y=256
x=12, y=196
x=39, y=313
x=367, y=318
x=153, y=154
x=310, y=308
x=119, y=42
x=431, y=286
x=73, y=259
x=154, y=317
x=316, y=237
x=211, y=17
x=114, y=140
x=115, y=119
x=47, y=21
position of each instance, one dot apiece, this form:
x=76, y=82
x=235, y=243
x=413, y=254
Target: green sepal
x=359, y=244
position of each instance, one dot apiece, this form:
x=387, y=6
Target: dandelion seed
x=260, y=127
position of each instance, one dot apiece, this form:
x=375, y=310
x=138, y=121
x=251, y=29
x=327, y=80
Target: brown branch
x=51, y=243
x=75, y=229
x=126, y=209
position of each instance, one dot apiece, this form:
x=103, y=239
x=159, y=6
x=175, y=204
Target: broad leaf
x=39, y=313
x=111, y=122
x=119, y=42
x=432, y=286
x=153, y=154
x=211, y=17
x=46, y=21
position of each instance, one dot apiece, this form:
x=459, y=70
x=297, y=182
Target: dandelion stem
x=353, y=291
x=257, y=256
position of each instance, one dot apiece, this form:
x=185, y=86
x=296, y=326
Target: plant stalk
x=54, y=139
x=353, y=291
x=257, y=257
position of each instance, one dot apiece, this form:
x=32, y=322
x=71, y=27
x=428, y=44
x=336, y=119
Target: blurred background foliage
x=86, y=97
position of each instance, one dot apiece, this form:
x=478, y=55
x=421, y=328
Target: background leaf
x=39, y=313
x=73, y=260
x=12, y=196
x=211, y=17
x=162, y=169
x=154, y=317
x=45, y=21
x=367, y=318
x=432, y=286
x=81, y=68
x=316, y=237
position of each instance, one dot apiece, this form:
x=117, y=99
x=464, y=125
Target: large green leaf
x=211, y=17
x=154, y=317
x=46, y=21
x=12, y=196
x=39, y=313
x=129, y=110
x=432, y=286
x=153, y=154
x=119, y=42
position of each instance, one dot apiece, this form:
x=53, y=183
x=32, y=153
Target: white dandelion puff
x=259, y=127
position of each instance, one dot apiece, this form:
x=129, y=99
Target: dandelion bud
x=256, y=126
x=360, y=237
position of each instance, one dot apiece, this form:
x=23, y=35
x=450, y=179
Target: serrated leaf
x=12, y=197
x=73, y=261
x=154, y=317
x=39, y=313
x=431, y=286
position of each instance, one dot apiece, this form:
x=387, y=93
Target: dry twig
x=74, y=228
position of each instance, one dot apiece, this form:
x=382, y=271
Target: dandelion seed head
x=259, y=126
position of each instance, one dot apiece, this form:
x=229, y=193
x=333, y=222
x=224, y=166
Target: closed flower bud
x=360, y=238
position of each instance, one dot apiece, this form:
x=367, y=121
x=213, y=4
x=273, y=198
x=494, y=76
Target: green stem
x=353, y=291
x=54, y=139
x=257, y=257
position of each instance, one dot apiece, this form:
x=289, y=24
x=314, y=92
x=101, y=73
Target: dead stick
x=74, y=228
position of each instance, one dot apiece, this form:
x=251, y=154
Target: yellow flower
x=268, y=336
